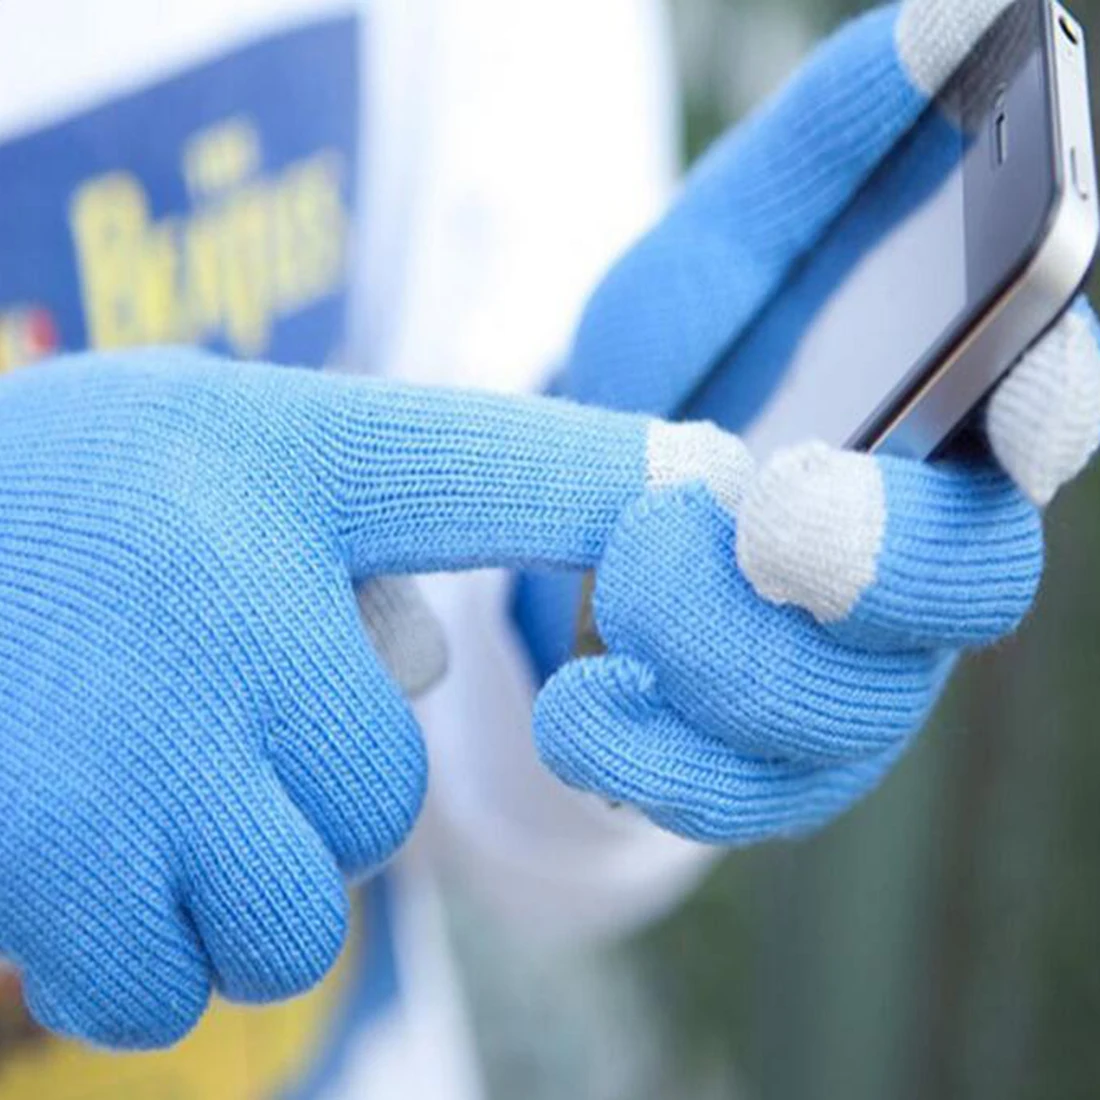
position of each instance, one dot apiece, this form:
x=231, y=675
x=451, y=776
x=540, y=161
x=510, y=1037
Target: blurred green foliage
x=942, y=940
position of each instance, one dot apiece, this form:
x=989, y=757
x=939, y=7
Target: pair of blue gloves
x=200, y=742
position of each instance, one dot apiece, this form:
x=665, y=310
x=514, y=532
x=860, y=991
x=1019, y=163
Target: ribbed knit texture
x=767, y=680
x=406, y=635
x=769, y=660
x=722, y=717
x=960, y=565
x=1044, y=421
x=892, y=554
x=197, y=742
x=934, y=36
x=757, y=202
x=749, y=211
x=605, y=727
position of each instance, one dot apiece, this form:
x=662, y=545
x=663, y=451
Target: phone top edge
x=1040, y=287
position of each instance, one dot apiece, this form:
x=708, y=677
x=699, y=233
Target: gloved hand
x=776, y=639
x=197, y=742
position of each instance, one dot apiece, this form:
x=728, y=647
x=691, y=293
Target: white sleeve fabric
x=559, y=866
x=514, y=150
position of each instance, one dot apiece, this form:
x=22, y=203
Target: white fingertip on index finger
x=935, y=36
x=678, y=454
x=1044, y=421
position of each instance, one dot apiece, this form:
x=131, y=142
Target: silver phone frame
x=1039, y=296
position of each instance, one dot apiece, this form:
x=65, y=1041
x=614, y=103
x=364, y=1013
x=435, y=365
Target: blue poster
x=211, y=208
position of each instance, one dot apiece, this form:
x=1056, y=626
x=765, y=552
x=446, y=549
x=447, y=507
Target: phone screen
x=943, y=225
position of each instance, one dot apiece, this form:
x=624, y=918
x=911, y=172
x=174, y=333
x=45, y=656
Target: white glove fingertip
x=678, y=454
x=1044, y=421
x=406, y=635
x=811, y=529
x=935, y=36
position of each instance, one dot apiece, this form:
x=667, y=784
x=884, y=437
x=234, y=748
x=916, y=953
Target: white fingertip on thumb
x=406, y=635
x=935, y=36
x=811, y=529
x=1044, y=421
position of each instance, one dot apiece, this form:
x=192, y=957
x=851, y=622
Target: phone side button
x=1080, y=179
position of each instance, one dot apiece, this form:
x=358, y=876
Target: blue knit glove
x=776, y=638
x=198, y=744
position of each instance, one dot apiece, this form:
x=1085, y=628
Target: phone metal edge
x=1040, y=294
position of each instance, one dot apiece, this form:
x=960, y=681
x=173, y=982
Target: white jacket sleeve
x=558, y=865
x=514, y=150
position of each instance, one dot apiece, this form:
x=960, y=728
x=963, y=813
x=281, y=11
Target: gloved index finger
x=427, y=480
x=760, y=200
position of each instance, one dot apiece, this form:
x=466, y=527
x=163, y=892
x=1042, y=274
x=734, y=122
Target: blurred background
x=944, y=939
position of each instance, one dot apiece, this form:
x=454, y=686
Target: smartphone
x=965, y=246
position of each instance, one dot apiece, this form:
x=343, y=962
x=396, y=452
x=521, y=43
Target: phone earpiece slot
x=1000, y=137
